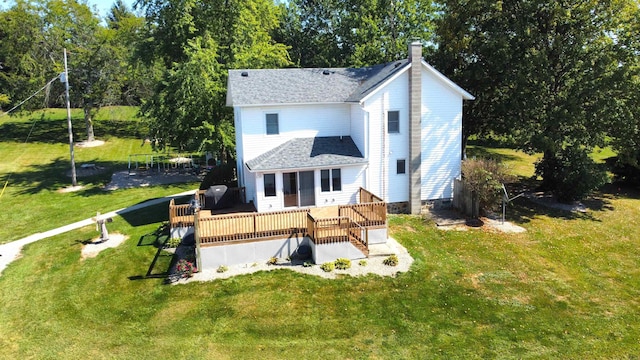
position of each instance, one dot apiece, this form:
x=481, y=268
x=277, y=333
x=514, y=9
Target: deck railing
x=369, y=214
x=180, y=215
x=250, y=226
x=367, y=196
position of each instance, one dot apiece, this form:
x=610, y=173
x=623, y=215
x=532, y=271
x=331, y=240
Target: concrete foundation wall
x=180, y=232
x=377, y=236
x=330, y=252
x=246, y=253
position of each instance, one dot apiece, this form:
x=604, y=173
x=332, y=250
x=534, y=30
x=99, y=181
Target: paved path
x=11, y=251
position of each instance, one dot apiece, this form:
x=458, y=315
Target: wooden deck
x=323, y=224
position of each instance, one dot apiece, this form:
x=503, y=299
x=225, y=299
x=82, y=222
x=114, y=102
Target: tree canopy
x=556, y=77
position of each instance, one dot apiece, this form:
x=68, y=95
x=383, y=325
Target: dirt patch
x=124, y=180
x=88, y=144
x=92, y=249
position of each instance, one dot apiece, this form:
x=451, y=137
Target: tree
x=24, y=66
x=92, y=55
x=332, y=33
x=545, y=73
x=197, y=42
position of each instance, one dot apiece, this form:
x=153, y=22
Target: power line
x=30, y=97
x=30, y=131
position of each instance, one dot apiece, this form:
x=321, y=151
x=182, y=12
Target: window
x=401, y=166
x=330, y=180
x=393, y=122
x=272, y=124
x=336, y=180
x=269, y=184
x=324, y=180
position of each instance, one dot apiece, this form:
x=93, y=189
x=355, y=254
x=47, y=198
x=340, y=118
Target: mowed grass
x=567, y=288
x=36, y=166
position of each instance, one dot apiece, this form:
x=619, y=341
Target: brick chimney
x=415, y=129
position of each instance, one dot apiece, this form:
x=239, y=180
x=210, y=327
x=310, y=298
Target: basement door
x=299, y=189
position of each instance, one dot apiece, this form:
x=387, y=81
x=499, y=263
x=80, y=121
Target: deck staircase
x=356, y=240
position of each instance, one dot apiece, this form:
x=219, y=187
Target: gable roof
x=254, y=87
x=315, y=152
x=306, y=86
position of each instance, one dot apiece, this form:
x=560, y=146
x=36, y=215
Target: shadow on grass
x=52, y=131
x=57, y=175
x=523, y=210
x=165, y=259
x=486, y=153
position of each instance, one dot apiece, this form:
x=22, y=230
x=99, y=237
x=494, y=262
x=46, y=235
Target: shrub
x=307, y=264
x=570, y=174
x=223, y=174
x=272, y=261
x=173, y=242
x=342, y=263
x=392, y=260
x=222, y=269
x=328, y=267
x=362, y=262
x=185, y=268
x=485, y=177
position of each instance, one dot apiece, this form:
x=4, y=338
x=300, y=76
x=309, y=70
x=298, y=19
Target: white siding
x=358, y=128
x=352, y=180
x=301, y=121
x=385, y=148
x=441, y=137
x=237, y=123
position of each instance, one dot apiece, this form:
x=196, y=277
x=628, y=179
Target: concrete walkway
x=11, y=251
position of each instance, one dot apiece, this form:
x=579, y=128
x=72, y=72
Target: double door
x=299, y=189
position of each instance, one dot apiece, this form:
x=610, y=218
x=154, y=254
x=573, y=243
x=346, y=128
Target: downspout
x=384, y=148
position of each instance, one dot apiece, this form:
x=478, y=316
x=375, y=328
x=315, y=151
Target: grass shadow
x=57, y=174
x=486, y=153
x=43, y=129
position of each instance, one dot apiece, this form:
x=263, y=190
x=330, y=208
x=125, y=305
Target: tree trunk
x=88, y=121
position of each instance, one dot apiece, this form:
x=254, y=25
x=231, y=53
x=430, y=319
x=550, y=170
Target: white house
x=313, y=137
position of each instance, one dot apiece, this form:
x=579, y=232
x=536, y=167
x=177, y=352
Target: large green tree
x=548, y=74
x=24, y=65
x=93, y=61
x=198, y=42
x=341, y=33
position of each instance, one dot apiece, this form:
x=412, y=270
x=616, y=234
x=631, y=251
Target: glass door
x=290, y=189
x=307, y=188
x=299, y=189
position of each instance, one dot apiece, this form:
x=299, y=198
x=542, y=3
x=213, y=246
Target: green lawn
x=568, y=288
x=35, y=170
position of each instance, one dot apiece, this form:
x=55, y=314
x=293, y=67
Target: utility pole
x=74, y=182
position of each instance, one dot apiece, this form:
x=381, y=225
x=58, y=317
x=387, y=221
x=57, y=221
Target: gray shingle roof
x=303, y=153
x=302, y=86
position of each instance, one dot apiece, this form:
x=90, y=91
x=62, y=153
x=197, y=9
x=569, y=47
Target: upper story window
x=269, y=184
x=272, y=124
x=331, y=180
x=393, y=122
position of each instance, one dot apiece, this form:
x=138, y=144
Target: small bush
x=362, y=262
x=392, y=260
x=328, y=267
x=223, y=174
x=185, y=268
x=174, y=242
x=222, y=269
x=272, y=261
x=342, y=263
x=307, y=264
x=485, y=178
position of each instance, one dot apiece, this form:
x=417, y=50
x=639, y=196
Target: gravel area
x=374, y=265
x=123, y=180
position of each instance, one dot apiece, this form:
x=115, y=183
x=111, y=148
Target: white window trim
x=264, y=122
